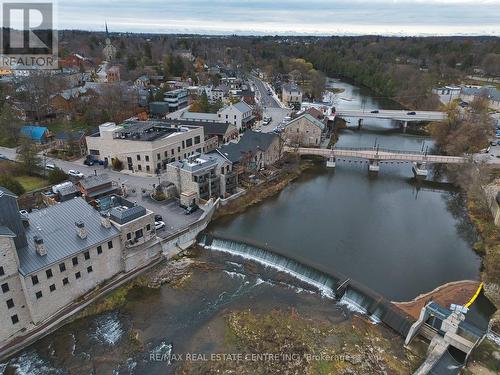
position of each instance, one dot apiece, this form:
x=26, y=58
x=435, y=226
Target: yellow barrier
x=471, y=301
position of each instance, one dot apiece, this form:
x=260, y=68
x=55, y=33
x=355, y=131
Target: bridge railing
x=380, y=149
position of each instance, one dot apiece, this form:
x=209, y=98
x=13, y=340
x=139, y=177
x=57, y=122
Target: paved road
x=265, y=99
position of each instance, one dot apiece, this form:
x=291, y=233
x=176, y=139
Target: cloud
x=408, y=17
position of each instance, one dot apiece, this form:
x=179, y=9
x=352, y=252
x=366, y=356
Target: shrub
x=56, y=176
x=13, y=185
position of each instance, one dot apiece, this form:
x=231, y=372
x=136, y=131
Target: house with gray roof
x=254, y=150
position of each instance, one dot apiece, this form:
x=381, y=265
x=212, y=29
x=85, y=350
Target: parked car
x=267, y=120
x=159, y=225
x=374, y=111
x=412, y=113
x=158, y=218
x=3, y=157
x=50, y=166
x=493, y=143
x=191, y=209
x=23, y=212
x=74, y=173
x=89, y=162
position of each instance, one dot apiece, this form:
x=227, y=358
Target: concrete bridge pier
x=420, y=170
x=330, y=163
x=360, y=123
x=373, y=166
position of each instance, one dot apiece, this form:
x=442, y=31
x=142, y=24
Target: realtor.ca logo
x=28, y=36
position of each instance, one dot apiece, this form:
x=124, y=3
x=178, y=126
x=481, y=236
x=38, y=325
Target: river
x=395, y=236
x=389, y=232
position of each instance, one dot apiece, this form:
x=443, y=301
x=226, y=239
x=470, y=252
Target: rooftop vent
x=81, y=231
x=39, y=246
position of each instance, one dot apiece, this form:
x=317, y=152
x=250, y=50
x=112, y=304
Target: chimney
x=105, y=222
x=39, y=246
x=80, y=229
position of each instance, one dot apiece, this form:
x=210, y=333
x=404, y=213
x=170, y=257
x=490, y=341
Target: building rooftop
x=218, y=128
x=199, y=116
x=94, y=181
x=6, y=232
x=134, y=130
x=242, y=107
x=311, y=119
x=290, y=87
x=56, y=226
x=196, y=163
x=123, y=214
x=250, y=141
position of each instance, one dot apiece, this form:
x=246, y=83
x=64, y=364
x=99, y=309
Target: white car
x=50, y=166
x=159, y=225
x=74, y=173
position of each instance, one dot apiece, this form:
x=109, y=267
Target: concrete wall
x=104, y=266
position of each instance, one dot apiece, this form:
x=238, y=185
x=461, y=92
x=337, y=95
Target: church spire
x=106, y=25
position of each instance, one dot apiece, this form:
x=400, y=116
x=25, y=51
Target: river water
x=397, y=237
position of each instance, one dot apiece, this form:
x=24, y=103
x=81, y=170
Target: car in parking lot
x=88, y=162
x=159, y=225
x=191, y=209
x=158, y=217
x=50, y=166
x=74, y=173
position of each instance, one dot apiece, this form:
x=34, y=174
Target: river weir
x=330, y=284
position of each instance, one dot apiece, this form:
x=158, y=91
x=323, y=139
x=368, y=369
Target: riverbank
x=489, y=249
x=293, y=342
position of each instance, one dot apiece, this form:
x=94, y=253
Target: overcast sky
x=291, y=17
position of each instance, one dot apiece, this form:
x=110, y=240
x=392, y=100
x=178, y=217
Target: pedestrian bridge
x=397, y=115
x=378, y=154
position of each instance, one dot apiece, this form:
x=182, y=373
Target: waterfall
x=326, y=284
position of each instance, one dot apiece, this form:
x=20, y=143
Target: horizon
x=285, y=18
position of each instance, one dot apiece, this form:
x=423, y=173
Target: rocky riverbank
x=285, y=342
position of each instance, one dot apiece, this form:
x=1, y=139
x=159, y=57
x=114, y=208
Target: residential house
x=142, y=82
x=304, y=131
x=145, y=146
x=254, y=150
x=291, y=95
x=38, y=134
x=113, y=74
x=97, y=186
x=238, y=114
x=71, y=141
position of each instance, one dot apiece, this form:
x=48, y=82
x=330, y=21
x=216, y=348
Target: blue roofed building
x=38, y=134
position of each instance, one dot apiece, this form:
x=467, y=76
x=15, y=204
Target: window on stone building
x=99, y=249
x=5, y=287
x=110, y=244
x=2, y=272
x=86, y=255
x=65, y=281
x=139, y=157
x=75, y=261
x=129, y=236
x=78, y=275
x=147, y=157
x=62, y=267
x=49, y=273
x=189, y=142
x=10, y=303
x=14, y=319
x=197, y=140
x=148, y=227
x=39, y=294
x=89, y=269
x=52, y=287
x=34, y=279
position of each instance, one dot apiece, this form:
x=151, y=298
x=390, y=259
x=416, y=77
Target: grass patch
x=31, y=183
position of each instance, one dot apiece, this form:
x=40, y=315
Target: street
x=271, y=107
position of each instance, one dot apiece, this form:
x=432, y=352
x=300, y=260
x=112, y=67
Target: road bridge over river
x=398, y=115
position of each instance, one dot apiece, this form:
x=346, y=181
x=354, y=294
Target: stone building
x=206, y=175
x=52, y=257
x=304, y=131
x=145, y=146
